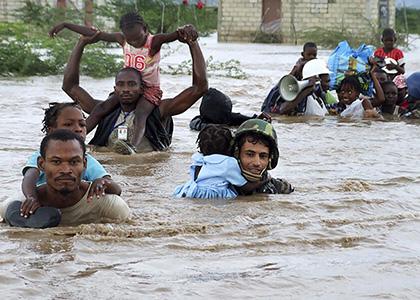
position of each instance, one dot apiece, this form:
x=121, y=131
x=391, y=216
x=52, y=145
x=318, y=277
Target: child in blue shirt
x=214, y=172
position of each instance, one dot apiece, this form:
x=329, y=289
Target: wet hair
x=352, y=81
x=53, y=111
x=61, y=135
x=131, y=69
x=254, y=138
x=129, y=20
x=309, y=45
x=388, y=83
x=388, y=32
x=215, y=139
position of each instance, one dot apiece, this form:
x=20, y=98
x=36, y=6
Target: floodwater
x=349, y=231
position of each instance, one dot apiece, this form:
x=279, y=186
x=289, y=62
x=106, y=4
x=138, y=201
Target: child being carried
x=214, y=172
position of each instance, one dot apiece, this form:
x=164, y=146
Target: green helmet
x=263, y=128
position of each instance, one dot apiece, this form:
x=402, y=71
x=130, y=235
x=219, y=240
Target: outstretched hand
x=187, y=34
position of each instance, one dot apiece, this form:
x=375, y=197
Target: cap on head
x=261, y=127
x=314, y=67
x=216, y=107
x=400, y=81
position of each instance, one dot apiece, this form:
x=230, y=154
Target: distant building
x=8, y=7
x=244, y=20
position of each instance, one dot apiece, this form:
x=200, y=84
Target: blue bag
x=348, y=61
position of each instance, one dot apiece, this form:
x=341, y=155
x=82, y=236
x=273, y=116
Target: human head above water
x=63, y=135
x=67, y=115
x=215, y=139
x=381, y=75
x=216, y=107
x=256, y=131
x=309, y=51
x=134, y=29
x=349, y=90
x=390, y=92
x=128, y=87
x=63, y=160
x=317, y=68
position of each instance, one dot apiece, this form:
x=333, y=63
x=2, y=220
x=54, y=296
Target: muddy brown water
x=349, y=231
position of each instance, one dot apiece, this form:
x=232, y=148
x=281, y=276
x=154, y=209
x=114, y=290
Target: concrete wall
x=7, y=8
x=240, y=20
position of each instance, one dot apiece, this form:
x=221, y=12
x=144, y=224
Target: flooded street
x=349, y=231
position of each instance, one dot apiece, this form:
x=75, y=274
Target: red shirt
x=395, y=53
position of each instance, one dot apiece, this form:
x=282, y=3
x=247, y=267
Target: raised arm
x=183, y=101
x=71, y=77
x=379, y=98
x=88, y=31
x=185, y=33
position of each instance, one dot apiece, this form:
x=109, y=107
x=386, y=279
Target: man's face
x=128, y=87
x=63, y=165
x=71, y=118
x=254, y=157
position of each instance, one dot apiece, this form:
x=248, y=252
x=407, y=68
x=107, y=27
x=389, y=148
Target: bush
x=18, y=56
x=413, y=25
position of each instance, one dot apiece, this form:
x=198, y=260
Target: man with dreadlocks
x=129, y=90
x=64, y=116
x=142, y=52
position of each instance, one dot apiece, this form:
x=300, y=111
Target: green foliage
x=267, y=38
x=43, y=17
x=330, y=38
x=19, y=40
x=163, y=15
x=230, y=68
x=18, y=59
x=413, y=24
x=18, y=56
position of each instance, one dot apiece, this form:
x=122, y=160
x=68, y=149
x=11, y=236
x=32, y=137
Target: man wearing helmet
x=311, y=101
x=257, y=151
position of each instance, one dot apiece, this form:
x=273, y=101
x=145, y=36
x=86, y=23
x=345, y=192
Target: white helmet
x=314, y=67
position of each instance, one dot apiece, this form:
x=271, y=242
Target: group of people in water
x=65, y=185
x=392, y=93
